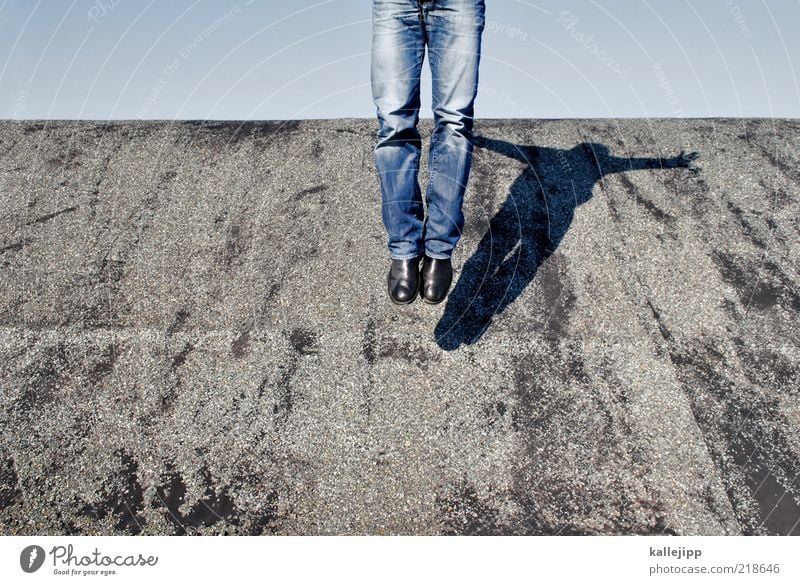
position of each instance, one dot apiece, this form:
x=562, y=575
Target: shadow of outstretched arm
x=529, y=227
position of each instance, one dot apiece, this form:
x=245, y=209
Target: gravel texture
x=195, y=335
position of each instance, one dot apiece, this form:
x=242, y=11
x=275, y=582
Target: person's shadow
x=529, y=227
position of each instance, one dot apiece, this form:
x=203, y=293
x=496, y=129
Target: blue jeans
x=451, y=30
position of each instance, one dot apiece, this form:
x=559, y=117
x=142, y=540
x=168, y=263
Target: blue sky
x=268, y=59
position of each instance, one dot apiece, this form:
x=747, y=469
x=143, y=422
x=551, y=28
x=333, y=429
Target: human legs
x=398, y=50
x=453, y=29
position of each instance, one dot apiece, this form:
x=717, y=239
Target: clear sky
x=269, y=59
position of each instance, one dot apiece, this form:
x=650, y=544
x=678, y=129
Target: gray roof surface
x=195, y=334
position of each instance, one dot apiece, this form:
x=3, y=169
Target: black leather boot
x=403, y=281
x=437, y=275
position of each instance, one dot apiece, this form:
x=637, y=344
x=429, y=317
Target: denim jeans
x=402, y=29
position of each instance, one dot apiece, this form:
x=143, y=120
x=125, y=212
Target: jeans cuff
x=406, y=256
x=436, y=256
